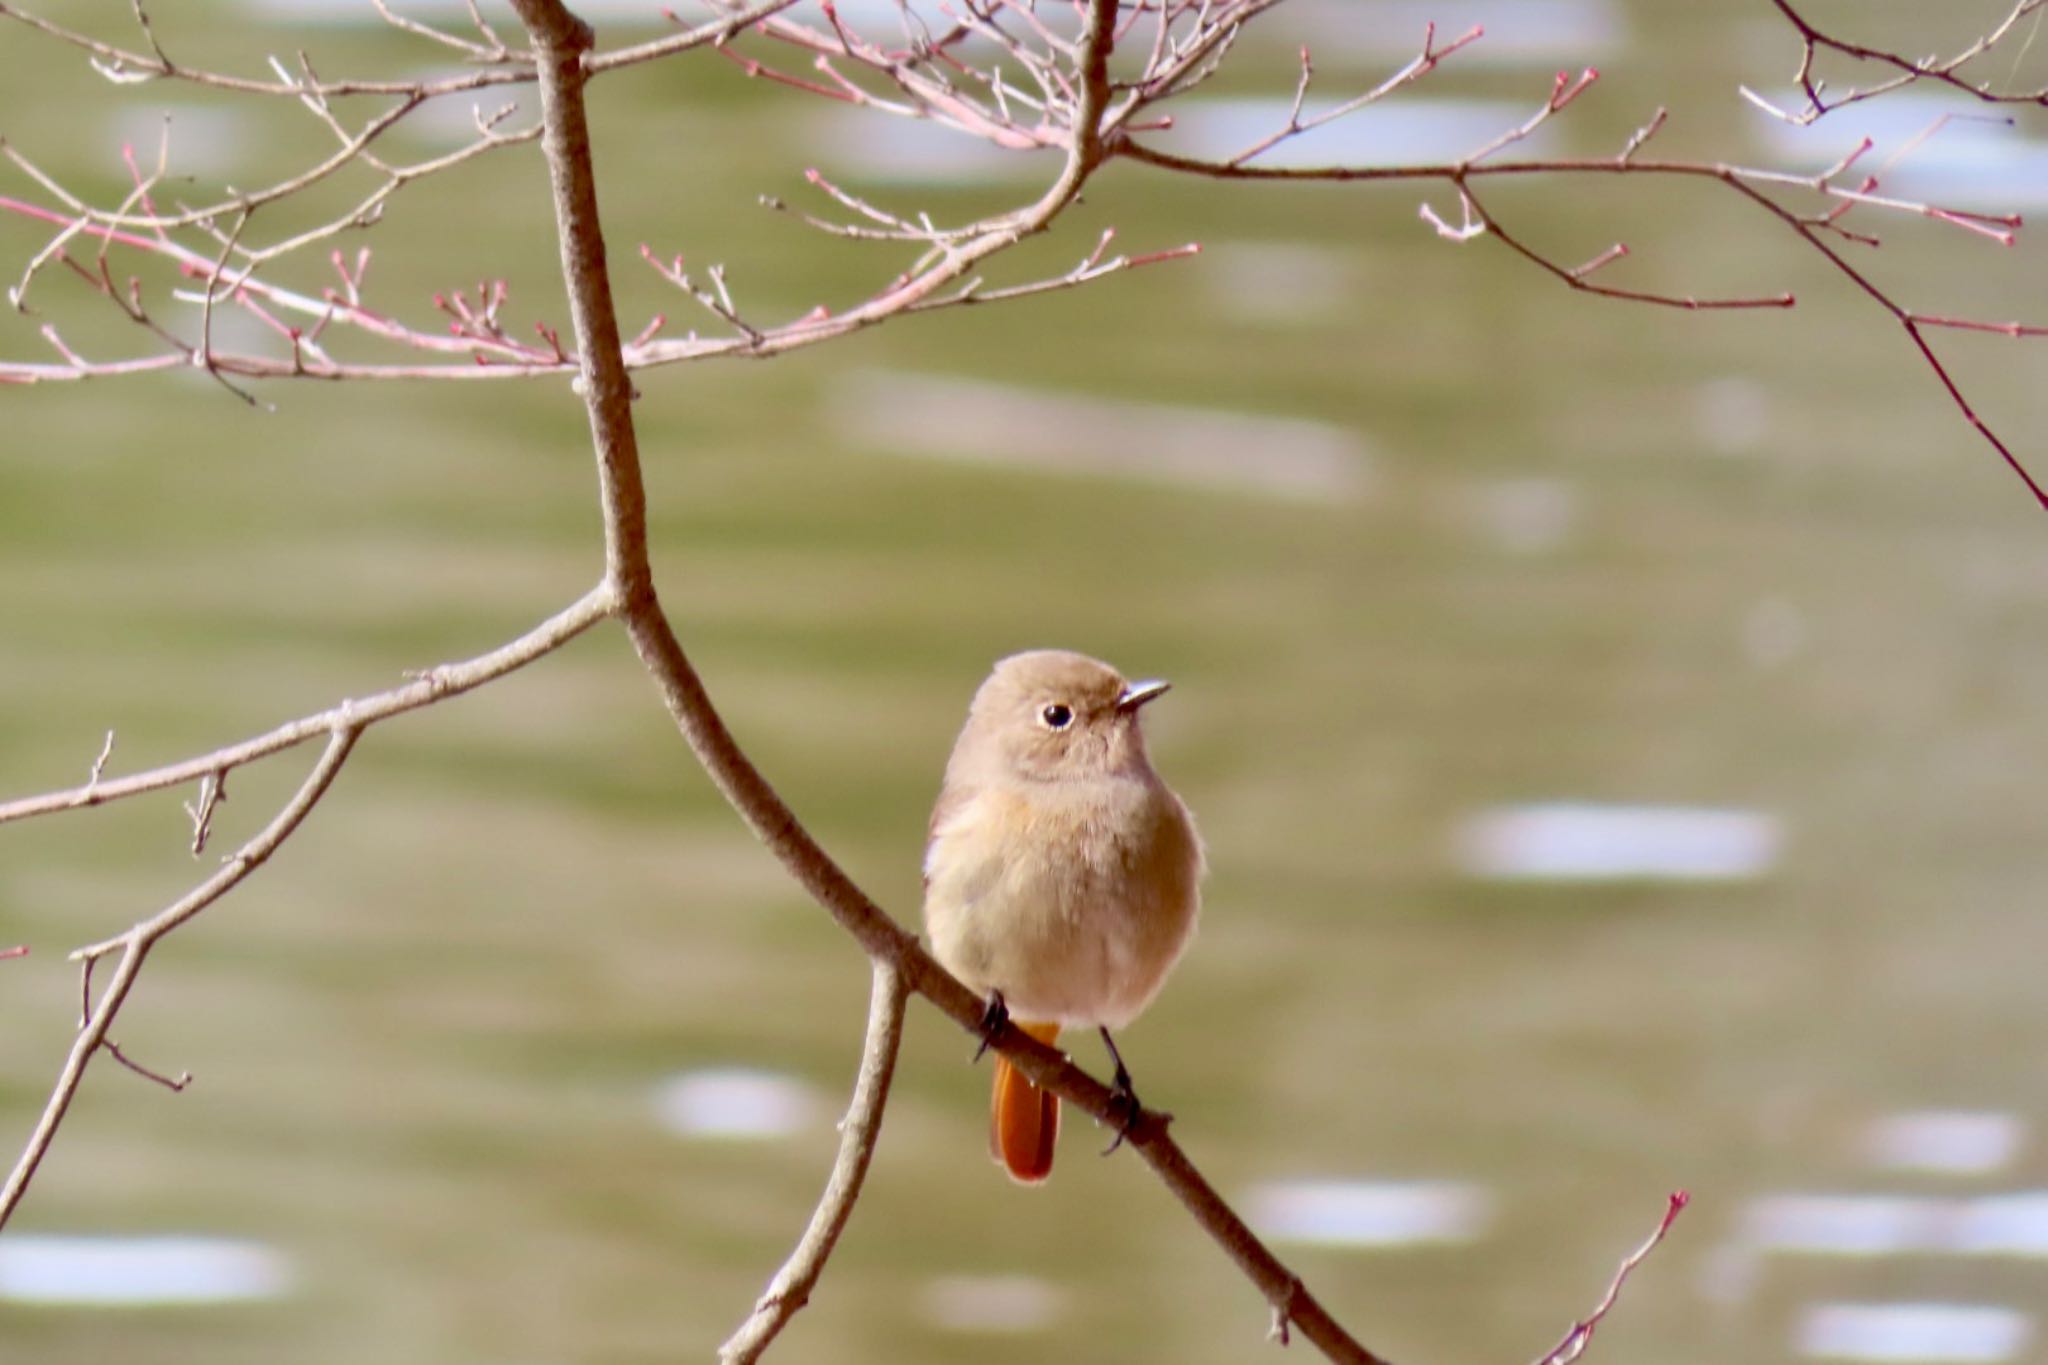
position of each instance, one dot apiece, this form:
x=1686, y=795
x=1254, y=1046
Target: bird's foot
x=994, y=1020
x=1125, y=1105
x=1123, y=1098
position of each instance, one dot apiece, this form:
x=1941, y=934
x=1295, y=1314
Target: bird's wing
x=954, y=798
x=961, y=827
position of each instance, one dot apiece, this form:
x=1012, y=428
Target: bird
x=1062, y=875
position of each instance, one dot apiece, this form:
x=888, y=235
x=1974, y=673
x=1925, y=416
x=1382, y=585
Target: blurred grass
x=426, y=1034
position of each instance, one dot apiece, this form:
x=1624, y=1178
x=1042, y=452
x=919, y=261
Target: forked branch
x=560, y=38
x=1945, y=71
x=134, y=945
x=341, y=726
x=1759, y=188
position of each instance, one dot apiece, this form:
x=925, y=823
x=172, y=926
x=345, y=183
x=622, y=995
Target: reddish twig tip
x=1581, y=1335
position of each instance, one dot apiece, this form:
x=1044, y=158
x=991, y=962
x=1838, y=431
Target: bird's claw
x=1123, y=1102
x=994, y=1020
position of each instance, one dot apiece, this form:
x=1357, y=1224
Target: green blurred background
x=1601, y=552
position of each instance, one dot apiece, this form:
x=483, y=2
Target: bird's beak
x=1137, y=694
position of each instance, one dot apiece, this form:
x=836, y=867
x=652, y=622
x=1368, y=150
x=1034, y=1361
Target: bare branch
x=1091, y=269
x=175, y=1084
x=1744, y=181
x=791, y=1288
x=342, y=725
x=134, y=946
x=1581, y=1335
x=716, y=33
x=99, y=764
x=447, y=680
x=1575, y=277
x=489, y=50
x=213, y=789
x=560, y=39
x=1424, y=63
x=1910, y=70
x=125, y=66
x=1187, y=41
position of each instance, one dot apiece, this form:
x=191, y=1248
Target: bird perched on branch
x=1062, y=874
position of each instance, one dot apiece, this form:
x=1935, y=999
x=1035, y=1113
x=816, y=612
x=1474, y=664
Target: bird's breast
x=1072, y=898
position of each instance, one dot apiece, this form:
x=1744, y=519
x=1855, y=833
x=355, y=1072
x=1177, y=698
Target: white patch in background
x=1575, y=841
x=1731, y=415
x=992, y=1303
x=855, y=146
x=1729, y=1273
x=1525, y=516
x=203, y=141
x=1405, y=131
x=453, y=121
x=1573, y=33
x=883, y=19
x=1949, y=1141
x=1281, y=282
x=1975, y=160
x=904, y=151
x=1367, y=1213
x=232, y=330
x=1913, y=1332
x=2013, y=1224
x=2003, y=1225
x=978, y=422
x=735, y=1103
x=103, y=1272
x=1773, y=633
x=1844, y=1225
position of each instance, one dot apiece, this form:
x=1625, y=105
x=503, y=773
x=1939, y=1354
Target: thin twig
x=175, y=1084
x=510, y=68
x=99, y=764
x=1581, y=1335
x=134, y=946
x=1742, y=180
x=447, y=680
x=1189, y=40
x=1424, y=62
x=1910, y=70
x=791, y=1287
x=213, y=790
x=1575, y=277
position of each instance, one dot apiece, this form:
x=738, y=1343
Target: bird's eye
x=1056, y=717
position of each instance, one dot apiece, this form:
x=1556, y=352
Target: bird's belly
x=1079, y=940
x=1103, y=974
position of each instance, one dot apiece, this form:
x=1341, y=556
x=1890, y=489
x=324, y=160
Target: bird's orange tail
x=1024, y=1121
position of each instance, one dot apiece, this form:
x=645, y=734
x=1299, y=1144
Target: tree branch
x=134, y=946
x=791, y=1288
x=1580, y=1336
x=342, y=725
x=1911, y=70
x=559, y=38
x=1812, y=229
x=446, y=680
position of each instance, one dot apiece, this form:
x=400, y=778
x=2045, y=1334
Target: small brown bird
x=1062, y=874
